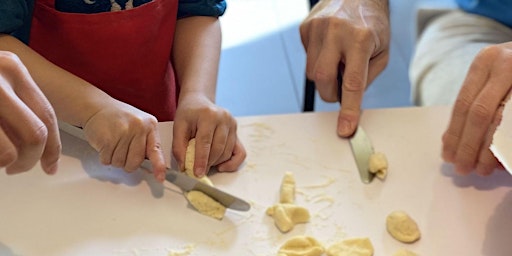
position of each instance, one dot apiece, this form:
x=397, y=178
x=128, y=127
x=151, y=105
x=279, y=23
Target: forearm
x=196, y=54
x=73, y=99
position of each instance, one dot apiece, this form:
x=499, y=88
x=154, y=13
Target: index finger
x=354, y=84
x=155, y=154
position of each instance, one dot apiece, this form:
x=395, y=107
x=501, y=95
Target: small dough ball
x=404, y=252
x=359, y=246
x=402, y=227
x=205, y=204
x=301, y=246
x=287, y=215
x=379, y=165
x=287, y=192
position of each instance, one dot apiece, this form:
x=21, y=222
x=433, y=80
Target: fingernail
x=199, y=172
x=344, y=128
x=52, y=169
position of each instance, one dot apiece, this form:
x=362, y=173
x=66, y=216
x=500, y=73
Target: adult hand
x=215, y=131
x=124, y=136
x=28, y=125
x=348, y=36
x=478, y=111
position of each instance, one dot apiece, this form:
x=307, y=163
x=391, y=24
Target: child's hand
x=124, y=136
x=215, y=131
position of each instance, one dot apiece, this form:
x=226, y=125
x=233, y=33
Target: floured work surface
x=89, y=209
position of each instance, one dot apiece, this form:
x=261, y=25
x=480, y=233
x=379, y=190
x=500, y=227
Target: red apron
x=124, y=53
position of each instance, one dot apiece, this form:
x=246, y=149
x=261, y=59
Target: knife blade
x=186, y=184
x=179, y=179
x=360, y=144
x=362, y=149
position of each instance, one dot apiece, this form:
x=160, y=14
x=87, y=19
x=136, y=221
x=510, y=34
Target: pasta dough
x=301, y=246
x=287, y=215
x=351, y=247
x=200, y=201
x=402, y=227
x=205, y=204
x=189, y=162
x=287, y=193
x=379, y=165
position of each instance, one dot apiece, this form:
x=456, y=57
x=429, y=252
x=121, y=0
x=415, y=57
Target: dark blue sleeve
x=213, y=8
x=15, y=18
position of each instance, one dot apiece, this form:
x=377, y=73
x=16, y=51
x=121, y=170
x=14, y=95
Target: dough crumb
x=205, y=204
x=287, y=192
x=402, y=227
x=359, y=246
x=286, y=216
x=379, y=165
x=301, y=246
x=404, y=252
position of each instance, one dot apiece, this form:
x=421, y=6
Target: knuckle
x=480, y=114
x=38, y=137
x=353, y=83
x=466, y=151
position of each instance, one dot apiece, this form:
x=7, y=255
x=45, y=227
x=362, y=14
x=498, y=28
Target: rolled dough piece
x=402, y=227
x=286, y=216
x=190, y=155
x=378, y=165
x=287, y=192
x=301, y=246
x=205, y=204
x=404, y=252
x=200, y=201
x=359, y=246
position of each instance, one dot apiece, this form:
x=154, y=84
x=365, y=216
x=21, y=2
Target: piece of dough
x=190, y=155
x=287, y=192
x=301, y=246
x=200, y=201
x=378, y=165
x=359, y=246
x=205, y=204
x=286, y=216
x=402, y=227
x=404, y=252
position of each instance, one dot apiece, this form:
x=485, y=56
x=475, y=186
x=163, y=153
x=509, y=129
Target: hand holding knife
x=359, y=142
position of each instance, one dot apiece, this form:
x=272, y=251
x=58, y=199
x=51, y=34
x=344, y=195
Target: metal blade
x=187, y=183
x=362, y=149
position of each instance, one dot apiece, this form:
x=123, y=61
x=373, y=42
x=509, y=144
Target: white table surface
x=90, y=209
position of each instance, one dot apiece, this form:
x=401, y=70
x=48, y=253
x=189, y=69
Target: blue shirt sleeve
x=15, y=18
x=499, y=10
x=213, y=8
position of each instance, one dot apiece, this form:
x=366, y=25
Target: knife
x=179, y=179
x=360, y=144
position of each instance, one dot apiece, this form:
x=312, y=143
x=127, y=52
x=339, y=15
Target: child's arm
x=122, y=134
x=196, y=54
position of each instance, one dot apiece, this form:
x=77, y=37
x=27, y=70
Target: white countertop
x=89, y=209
